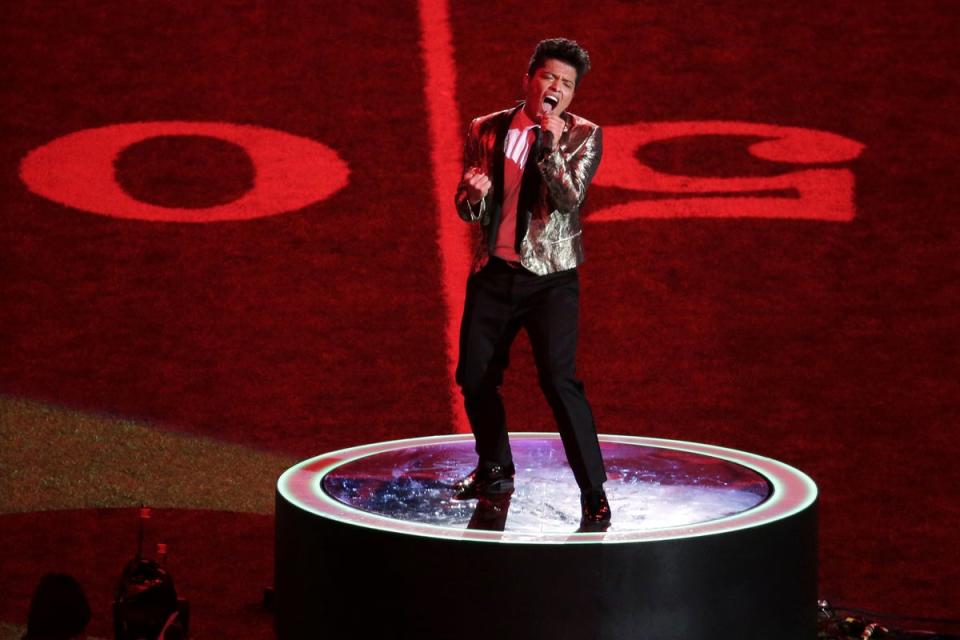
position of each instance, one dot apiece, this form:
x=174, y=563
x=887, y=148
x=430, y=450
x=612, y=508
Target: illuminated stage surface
x=704, y=540
x=649, y=488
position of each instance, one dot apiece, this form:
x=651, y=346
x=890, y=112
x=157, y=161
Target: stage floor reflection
x=649, y=487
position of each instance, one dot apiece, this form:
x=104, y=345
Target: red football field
x=229, y=244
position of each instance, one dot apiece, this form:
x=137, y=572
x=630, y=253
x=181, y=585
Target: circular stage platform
x=705, y=542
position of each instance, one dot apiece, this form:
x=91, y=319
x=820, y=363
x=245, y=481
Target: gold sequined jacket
x=553, y=240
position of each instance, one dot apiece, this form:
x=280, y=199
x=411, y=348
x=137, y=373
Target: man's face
x=552, y=83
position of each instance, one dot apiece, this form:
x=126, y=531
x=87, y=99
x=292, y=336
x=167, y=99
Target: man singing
x=527, y=170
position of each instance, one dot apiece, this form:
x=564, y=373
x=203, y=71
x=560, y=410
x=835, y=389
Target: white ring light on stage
x=791, y=492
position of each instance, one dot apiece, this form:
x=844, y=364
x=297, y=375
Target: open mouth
x=549, y=103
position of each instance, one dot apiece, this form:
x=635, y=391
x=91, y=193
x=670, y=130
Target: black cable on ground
x=833, y=627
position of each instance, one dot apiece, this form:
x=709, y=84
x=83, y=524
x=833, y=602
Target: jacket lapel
x=497, y=173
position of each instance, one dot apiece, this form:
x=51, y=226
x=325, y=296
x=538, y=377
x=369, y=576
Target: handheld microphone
x=546, y=137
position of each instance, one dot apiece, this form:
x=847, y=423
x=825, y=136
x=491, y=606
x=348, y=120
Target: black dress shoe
x=495, y=481
x=594, y=507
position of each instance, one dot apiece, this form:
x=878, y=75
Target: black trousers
x=500, y=300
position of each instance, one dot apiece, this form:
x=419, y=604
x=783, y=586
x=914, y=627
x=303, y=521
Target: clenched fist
x=477, y=185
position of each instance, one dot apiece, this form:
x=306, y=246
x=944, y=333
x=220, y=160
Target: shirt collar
x=522, y=121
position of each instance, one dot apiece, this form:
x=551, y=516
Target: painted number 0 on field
x=77, y=170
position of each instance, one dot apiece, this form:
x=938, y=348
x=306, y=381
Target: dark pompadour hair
x=560, y=49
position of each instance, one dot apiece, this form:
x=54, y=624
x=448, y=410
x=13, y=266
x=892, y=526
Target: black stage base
x=706, y=543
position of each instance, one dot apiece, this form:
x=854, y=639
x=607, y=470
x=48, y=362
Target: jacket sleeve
x=568, y=178
x=471, y=158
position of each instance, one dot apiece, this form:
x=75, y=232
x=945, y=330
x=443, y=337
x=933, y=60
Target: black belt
x=513, y=264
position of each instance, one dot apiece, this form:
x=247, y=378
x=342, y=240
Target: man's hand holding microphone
x=551, y=128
